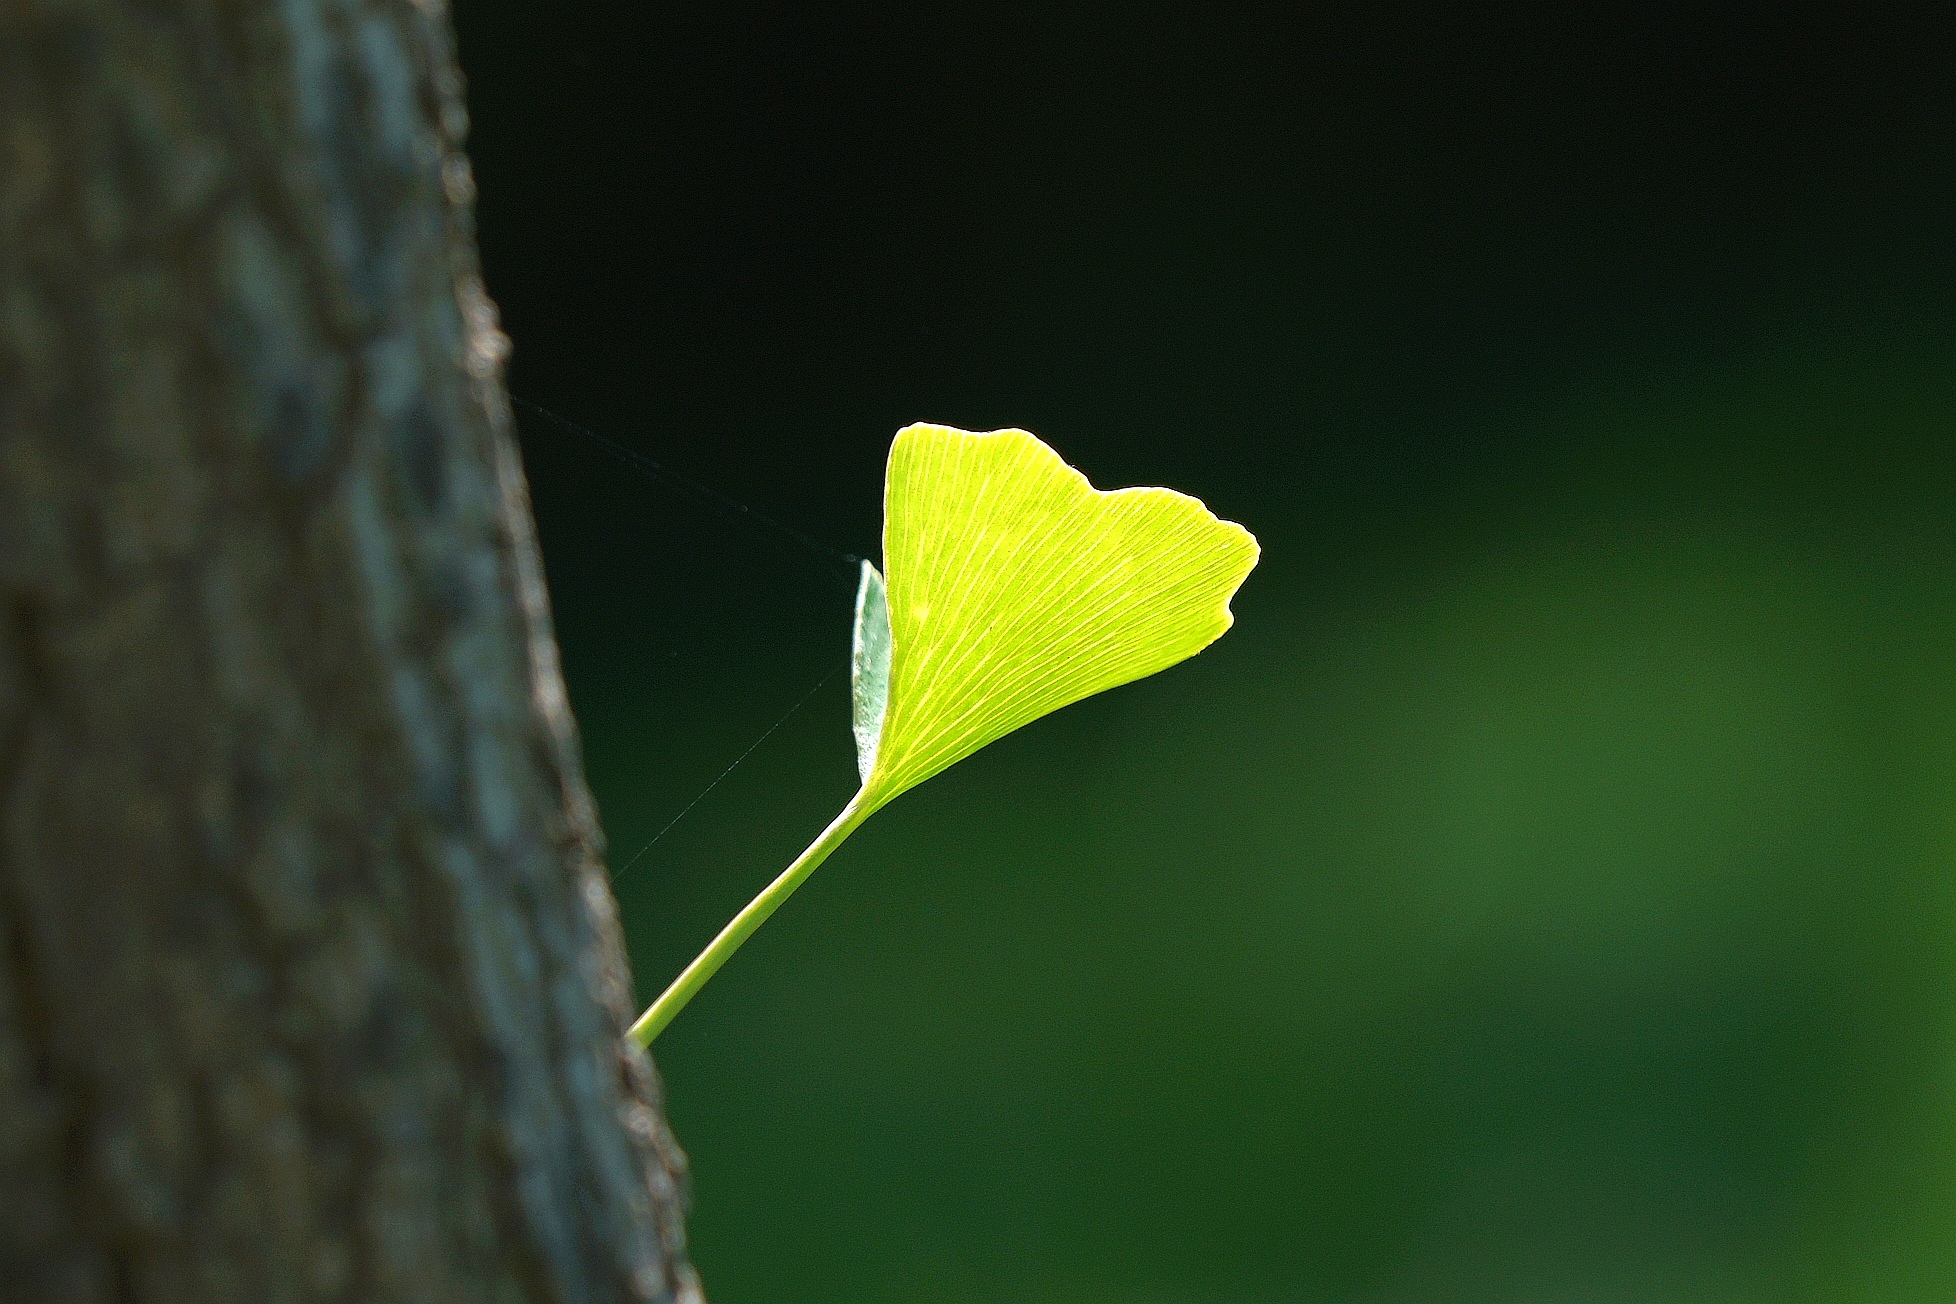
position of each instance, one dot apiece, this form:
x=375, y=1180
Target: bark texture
x=311, y=985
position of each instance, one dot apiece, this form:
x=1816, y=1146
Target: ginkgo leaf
x=1015, y=588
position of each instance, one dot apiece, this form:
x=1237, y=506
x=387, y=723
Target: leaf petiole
x=662, y=1011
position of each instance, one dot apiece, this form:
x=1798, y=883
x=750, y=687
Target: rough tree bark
x=311, y=986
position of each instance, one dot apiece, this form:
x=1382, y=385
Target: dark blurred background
x=1547, y=892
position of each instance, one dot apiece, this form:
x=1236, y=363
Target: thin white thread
x=730, y=507
x=620, y=873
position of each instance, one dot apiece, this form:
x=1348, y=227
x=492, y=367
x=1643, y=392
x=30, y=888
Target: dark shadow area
x=1547, y=891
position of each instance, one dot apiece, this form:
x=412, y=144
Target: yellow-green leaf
x=1015, y=588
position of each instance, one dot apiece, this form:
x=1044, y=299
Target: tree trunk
x=311, y=985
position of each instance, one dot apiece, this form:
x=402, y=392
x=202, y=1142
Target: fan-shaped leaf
x=869, y=667
x=1015, y=588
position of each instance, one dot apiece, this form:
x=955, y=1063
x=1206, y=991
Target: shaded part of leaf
x=869, y=669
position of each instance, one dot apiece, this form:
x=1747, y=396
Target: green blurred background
x=1547, y=892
